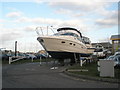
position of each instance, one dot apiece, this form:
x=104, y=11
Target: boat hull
x=67, y=55
x=63, y=47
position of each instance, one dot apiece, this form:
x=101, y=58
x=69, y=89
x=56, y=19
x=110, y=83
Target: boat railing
x=42, y=31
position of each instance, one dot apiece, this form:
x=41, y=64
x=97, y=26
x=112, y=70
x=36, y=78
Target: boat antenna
x=52, y=29
x=37, y=31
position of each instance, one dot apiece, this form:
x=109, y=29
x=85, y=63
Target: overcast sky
x=96, y=19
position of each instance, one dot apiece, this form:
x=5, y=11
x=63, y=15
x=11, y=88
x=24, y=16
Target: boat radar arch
x=68, y=28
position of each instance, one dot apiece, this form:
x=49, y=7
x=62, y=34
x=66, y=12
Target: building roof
x=104, y=44
x=115, y=37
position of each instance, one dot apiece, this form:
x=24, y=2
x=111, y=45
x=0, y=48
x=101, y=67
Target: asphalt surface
x=32, y=75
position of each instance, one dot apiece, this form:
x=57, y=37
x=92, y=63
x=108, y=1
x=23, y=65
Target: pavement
x=34, y=75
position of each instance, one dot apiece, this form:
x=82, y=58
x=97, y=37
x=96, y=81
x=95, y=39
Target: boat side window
x=79, y=38
x=68, y=34
x=62, y=42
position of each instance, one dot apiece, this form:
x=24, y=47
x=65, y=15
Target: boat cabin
x=69, y=32
x=86, y=40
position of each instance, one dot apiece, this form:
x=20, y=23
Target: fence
x=17, y=58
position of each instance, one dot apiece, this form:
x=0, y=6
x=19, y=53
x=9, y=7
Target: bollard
x=10, y=59
x=81, y=63
x=40, y=61
x=98, y=64
x=32, y=59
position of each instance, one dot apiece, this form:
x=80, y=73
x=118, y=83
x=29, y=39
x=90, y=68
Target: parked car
x=116, y=58
x=30, y=56
x=22, y=55
x=4, y=56
x=117, y=53
x=10, y=55
x=110, y=58
x=41, y=55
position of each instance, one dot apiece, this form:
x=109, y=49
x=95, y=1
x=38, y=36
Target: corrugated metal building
x=106, y=45
x=115, y=43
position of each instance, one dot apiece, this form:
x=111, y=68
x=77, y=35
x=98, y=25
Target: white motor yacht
x=68, y=43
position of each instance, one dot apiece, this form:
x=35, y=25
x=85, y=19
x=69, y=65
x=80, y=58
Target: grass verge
x=92, y=70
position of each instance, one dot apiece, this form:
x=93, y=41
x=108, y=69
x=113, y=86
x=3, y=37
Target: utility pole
x=15, y=48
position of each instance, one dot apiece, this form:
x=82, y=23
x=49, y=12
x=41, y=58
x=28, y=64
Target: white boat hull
x=63, y=47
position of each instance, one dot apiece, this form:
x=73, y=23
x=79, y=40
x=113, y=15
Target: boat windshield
x=68, y=34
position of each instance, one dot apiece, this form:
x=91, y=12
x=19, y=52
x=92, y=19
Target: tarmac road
x=32, y=75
